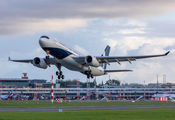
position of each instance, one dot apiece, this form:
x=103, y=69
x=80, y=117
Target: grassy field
x=127, y=114
x=25, y=104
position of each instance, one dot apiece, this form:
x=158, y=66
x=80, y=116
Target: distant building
x=23, y=82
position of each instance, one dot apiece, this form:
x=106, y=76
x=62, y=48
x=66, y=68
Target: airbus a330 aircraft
x=73, y=60
x=7, y=96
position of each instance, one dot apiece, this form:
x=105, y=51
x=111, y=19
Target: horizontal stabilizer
x=106, y=71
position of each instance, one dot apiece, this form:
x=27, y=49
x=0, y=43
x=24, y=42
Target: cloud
x=81, y=50
x=85, y=9
x=142, y=45
x=84, y=24
x=28, y=17
x=136, y=22
x=171, y=47
x=132, y=31
x=14, y=68
x=40, y=25
x=144, y=69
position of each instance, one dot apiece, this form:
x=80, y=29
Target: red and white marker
x=78, y=89
x=52, y=98
x=58, y=100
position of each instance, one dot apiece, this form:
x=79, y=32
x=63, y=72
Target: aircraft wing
x=21, y=60
x=118, y=59
x=106, y=71
x=108, y=59
x=51, y=60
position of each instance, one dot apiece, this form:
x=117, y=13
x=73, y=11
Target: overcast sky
x=137, y=27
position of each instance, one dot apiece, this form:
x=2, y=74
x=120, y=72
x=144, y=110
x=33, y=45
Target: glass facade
x=19, y=83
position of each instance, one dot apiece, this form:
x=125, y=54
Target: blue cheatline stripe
x=58, y=53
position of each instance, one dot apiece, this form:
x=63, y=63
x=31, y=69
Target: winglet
x=9, y=59
x=167, y=53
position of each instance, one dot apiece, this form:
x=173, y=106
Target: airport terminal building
x=23, y=82
x=40, y=87
x=114, y=93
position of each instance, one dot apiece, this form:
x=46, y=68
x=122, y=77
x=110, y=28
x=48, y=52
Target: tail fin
x=105, y=53
x=11, y=94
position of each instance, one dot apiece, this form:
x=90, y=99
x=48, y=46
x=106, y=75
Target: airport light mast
x=78, y=89
x=52, y=91
x=144, y=90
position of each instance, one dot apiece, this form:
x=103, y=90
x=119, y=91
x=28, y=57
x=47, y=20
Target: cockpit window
x=45, y=37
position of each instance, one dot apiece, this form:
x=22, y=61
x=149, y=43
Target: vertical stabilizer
x=11, y=94
x=105, y=53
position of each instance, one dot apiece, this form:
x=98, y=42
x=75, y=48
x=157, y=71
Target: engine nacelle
x=92, y=61
x=39, y=62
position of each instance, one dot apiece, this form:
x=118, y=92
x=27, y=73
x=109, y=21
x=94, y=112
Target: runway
x=83, y=108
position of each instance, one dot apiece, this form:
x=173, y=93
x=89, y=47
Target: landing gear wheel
x=56, y=72
x=88, y=76
x=61, y=73
x=92, y=76
x=62, y=76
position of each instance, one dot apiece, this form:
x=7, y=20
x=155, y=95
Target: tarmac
x=61, y=109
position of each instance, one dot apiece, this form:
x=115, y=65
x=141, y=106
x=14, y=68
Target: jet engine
x=39, y=62
x=92, y=61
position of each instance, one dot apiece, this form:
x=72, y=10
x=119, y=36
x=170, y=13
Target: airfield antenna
x=52, y=98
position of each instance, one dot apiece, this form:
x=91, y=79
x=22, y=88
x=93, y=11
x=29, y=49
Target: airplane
x=141, y=97
x=63, y=55
x=170, y=96
x=164, y=95
x=24, y=96
x=8, y=96
x=83, y=98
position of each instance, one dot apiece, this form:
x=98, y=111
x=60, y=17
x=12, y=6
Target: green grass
x=25, y=104
x=127, y=114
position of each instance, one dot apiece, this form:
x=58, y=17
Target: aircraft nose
x=43, y=41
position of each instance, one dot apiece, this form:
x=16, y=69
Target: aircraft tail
x=139, y=97
x=11, y=94
x=105, y=53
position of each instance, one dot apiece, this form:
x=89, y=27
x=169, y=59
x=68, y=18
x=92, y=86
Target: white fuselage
x=4, y=96
x=164, y=95
x=65, y=55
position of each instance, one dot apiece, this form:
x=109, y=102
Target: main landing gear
x=60, y=74
x=89, y=75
